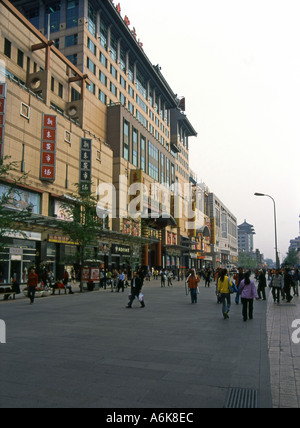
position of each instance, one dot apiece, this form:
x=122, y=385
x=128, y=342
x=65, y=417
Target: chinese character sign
x=2, y=116
x=85, y=166
x=48, y=152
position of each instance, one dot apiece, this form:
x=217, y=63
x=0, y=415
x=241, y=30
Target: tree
x=84, y=225
x=291, y=258
x=11, y=217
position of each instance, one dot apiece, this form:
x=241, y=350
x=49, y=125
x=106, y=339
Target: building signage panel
x=48, y=152
x=85, y=165
x=2, y=116
x=120, y=249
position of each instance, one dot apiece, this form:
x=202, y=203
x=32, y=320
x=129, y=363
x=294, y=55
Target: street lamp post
x=275, y=222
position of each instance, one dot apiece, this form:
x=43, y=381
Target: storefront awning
x=161, y=222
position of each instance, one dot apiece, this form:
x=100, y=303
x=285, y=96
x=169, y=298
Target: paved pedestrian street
x=88, y=350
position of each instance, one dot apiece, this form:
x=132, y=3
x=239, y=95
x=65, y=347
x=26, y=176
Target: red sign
x=49, y=121
x=48, y=158
x=1, y=119
x=49, y=134
x=48, y=147
x=48, y=152
x=47, y=173
x=2, y=90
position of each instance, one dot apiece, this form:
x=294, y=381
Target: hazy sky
x=237, y=62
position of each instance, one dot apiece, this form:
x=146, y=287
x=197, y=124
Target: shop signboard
x=85, y=165
x=48, y=151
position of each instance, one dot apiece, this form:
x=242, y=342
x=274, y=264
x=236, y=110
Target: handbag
x=231, y=286
x=141, y=297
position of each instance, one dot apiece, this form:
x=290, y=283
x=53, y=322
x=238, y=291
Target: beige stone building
x=76, y=70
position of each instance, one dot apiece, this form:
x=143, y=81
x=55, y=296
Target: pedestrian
x=248, y=293
x=136, y=291
x=238, y=279
x=224, y=293
x=32, y=284
x=262, y=284
x=277, y=285
x=169, y=277
x=207, y=278
x=193, y=281
x=288, y=284
x=121, y=281
x=296, y=278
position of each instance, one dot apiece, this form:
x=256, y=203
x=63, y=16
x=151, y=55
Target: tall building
x=246, y=233
x=81, y=62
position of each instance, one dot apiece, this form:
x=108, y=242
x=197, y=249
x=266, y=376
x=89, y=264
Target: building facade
x=78, y=83
x=224, y=231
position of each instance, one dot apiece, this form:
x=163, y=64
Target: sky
x=237, y=62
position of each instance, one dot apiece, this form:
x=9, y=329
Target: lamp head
x=259, y=194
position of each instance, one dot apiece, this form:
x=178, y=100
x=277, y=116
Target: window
x=75, y=95
x=143, y=153
x=141, y=83
x=102, y=97
x=103, y=59
x=153, y=155
x=72, y=13
x=113, y=72
x=122, y=99
x=113, y=89
x=54, y=11
x=103, y=34
x=72, y=58
x=60, y=90
x=20, y=58
x=91, y=88
x=113, y=47
x=162, y=168
x=52, y=84
x=92, y=20
x=71, y=40
x=102, y=78
x=123, y=82
x=126, y=142
x=92, y=47
x=134, y=147
x=33, y=16
x=7, y=48
x=91, y=66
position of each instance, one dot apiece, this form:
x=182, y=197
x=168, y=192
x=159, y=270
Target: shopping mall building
x=82, y=103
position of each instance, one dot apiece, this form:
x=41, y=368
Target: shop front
x=21, y=252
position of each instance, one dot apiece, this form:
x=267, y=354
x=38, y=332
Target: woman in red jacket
x=32, y=284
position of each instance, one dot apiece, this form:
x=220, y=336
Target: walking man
x=136, y=291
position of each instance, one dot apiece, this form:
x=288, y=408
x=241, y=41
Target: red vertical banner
x=48, y=150
x=2, y=116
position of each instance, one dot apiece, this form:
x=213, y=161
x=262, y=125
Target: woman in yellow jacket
x=224, y=293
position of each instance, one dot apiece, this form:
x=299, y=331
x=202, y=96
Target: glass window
x=54, y=11
x=71, y=40
x=143, y=153
x=102, y=97
x=72, y=13
x=113, y=47
x=92, y=20
x=7, y=48
x=126, y=139
x=153, y=155
x=134, y=147
x=103, y=34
